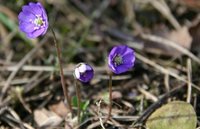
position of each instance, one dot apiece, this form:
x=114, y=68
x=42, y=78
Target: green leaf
x=174, y=115
x=84, y=104
x=74, y=101
x=105, y=97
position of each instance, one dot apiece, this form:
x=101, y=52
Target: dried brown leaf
x=45, y=118
x=60, y=109
x=191, y=3
x=181, y=37
x=195, y=33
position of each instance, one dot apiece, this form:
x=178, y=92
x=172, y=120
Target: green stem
x=65, y=90
x=78, y=100
x=110, y=96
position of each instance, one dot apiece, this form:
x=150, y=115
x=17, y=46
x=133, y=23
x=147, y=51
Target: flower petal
x=87, y=76
x=113, y=52
x=36, y=33
x=45, y=30
x=127, y=51
x=36, y=8
x=27, y=9
x=26, y=27
x=88, y=67
x=122, y=68
x=113, y=69
x=82, y=68
x=129, y=59
x=26, y=17
x=77, y=73
x=122, y=49
x=33, y=8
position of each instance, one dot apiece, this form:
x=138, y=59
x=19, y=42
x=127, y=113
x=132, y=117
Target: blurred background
x=165, y=35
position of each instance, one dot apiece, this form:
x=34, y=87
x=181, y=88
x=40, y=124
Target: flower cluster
x=33, y=20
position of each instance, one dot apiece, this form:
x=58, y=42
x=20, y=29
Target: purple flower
x=121, y=59
x=84, y=72
x=33, y=20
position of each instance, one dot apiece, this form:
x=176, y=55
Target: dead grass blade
x=19, y=65
x=166, y=42
x=163, y=70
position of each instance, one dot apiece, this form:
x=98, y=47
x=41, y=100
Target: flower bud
x=83, y=72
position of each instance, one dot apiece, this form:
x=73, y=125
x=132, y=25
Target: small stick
x=166, y=82
x=189, y=72
x=78, y=100
x=148, y=95
x=65, y=90
x=99, y=114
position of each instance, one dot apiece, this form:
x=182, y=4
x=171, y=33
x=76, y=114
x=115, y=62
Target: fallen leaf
x=191, y=3
x=60, y=109
x=45, y=118
x=174, y=115
x=180, y=37
x=195, y=33
x=116, y=95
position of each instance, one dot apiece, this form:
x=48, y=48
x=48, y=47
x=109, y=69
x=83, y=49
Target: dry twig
x=189, y=72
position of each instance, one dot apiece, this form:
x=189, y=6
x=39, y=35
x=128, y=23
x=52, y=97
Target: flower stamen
x=39, y=22
x=118, y=60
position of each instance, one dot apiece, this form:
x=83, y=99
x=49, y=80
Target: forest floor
x=165, y=35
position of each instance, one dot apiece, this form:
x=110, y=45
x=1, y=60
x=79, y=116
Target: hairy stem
x=78, y=100
x=110, y=97
x=65, y=90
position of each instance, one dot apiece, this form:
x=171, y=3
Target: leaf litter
x=164, y=35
